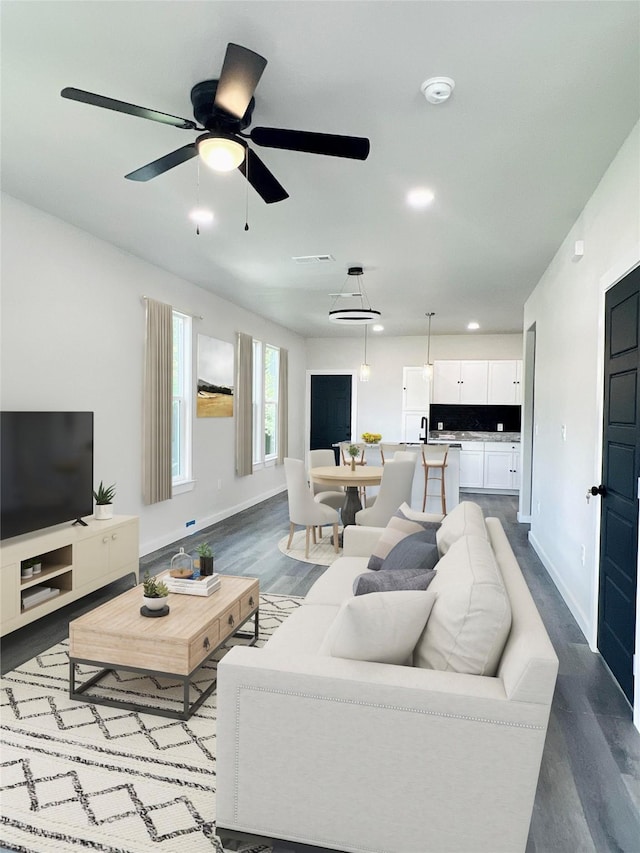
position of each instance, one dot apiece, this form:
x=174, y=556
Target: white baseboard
x=565, y=592
x=180, y=533
x=524, y=519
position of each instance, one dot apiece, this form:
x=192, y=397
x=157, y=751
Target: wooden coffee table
x=116, y=636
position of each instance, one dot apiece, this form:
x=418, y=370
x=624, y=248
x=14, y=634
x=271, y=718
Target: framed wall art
x=215, y=378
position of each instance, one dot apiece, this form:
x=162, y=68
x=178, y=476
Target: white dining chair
x=395, y=489
x=330, y=495
x=303, y=510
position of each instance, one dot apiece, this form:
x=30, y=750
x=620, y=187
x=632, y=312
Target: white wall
x=72, y=339
x=379, y=401
x=567, y=309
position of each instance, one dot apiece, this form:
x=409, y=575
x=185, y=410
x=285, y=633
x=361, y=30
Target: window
x=266, y=368
x=181, y=405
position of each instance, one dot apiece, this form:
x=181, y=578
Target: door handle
x=598, y=490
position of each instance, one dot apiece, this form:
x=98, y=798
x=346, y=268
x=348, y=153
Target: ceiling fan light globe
x=221, y=153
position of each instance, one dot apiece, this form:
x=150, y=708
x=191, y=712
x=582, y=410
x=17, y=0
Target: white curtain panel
x=158, y=362
x=244, y=405
x=283, y=407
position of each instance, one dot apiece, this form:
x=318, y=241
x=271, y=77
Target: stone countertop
x=470, y=435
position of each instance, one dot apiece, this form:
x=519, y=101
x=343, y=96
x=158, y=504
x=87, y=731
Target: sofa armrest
x=359, y=540
x=300, y=737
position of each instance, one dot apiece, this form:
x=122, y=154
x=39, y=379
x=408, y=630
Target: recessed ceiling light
x=473, y=325
x=377, y=328
x=420, y=197
x=201, y=216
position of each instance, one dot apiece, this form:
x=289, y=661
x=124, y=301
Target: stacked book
x=38, y=594
x=193, y=586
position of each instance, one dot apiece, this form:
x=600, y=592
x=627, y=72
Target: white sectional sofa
x=369, y=757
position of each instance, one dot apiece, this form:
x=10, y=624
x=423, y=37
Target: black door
x=330, y=410
x=620, y=472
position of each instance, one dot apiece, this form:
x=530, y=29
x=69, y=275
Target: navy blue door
x=620, y=473
x=330, y=410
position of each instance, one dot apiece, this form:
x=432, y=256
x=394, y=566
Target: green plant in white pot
x=155, y=592
x=104, y=496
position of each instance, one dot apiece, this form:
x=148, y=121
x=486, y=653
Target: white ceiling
x=546, y=92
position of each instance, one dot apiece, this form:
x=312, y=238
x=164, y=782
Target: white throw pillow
x=382, y=626
x=471, y=618
x=466, y=519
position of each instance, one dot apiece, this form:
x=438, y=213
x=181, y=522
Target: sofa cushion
x=396, y=579
x=382, y=627
x=465, y=519
x=336, y=583
x=399, y=527
x=416, y=551
x=304, y=630
x=471, y=618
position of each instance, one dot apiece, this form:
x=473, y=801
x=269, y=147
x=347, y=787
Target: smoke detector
x=437, y=90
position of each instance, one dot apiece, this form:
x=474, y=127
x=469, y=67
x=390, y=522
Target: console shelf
x=75, y=560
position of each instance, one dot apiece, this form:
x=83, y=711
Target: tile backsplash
x=476, y=418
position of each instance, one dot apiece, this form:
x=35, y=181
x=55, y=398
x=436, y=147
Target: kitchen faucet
x=424, y=424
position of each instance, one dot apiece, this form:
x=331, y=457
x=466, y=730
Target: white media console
x=75, y=560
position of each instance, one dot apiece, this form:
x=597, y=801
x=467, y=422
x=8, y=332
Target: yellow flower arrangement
x=371, y=437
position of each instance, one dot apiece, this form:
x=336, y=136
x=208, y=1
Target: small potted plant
x=206, y=558
x=104, y=496
x=354, y=451
x=155, y=592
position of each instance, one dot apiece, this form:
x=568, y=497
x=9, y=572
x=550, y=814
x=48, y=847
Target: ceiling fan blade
x=163, y=164
x=241, y=72
x=355, y=147
x=130, y=109
x=261, y=179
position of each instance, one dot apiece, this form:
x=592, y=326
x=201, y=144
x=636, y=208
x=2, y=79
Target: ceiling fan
x=223, y=108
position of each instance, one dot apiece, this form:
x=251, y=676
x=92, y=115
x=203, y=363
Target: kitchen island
x=489, y=461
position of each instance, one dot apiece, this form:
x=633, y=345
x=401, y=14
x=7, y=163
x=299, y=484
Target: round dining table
x=342, y=475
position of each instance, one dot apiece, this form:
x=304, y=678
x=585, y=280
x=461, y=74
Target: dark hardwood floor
x=588, y=797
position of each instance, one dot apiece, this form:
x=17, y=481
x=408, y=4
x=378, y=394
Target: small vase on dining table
x=353, y=464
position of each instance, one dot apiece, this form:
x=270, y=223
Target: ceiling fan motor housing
x=202, y=97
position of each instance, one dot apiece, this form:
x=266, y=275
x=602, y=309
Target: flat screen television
x=46, y=469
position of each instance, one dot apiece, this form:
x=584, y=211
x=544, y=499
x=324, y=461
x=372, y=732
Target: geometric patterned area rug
x=79, y=776
x=321, y=554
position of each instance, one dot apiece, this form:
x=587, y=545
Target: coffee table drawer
x=248, y=603
x=204, y=643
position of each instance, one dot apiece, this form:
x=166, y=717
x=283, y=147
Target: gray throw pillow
x=418, y=551
x=392, y=581
x=399, y=527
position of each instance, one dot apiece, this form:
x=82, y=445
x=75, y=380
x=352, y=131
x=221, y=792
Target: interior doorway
x=620, y=483
x=331, y=407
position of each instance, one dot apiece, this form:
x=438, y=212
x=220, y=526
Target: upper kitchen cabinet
x=415, y=390
x=463, y=382
x=505, y=386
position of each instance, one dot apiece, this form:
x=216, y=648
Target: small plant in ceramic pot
x=104, y=496
x=155, y=592
x=206, y=558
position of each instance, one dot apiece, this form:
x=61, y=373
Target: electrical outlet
x=538, y=508
x=583, y=554
x=190, y=523
x=563, y=430
x=440, y=425
x=219, y=484
x=500, y=427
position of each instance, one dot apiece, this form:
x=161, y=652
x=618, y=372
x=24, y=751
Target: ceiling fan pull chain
x=246, y=217
x=198, y=194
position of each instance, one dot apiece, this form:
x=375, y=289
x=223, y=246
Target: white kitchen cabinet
x=504, y=383
x=501, y=465
x=472, y=465
x=460, y=382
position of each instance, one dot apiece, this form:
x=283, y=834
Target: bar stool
x=434, y=457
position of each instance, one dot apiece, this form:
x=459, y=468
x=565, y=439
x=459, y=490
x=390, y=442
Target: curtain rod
x=193, y=316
